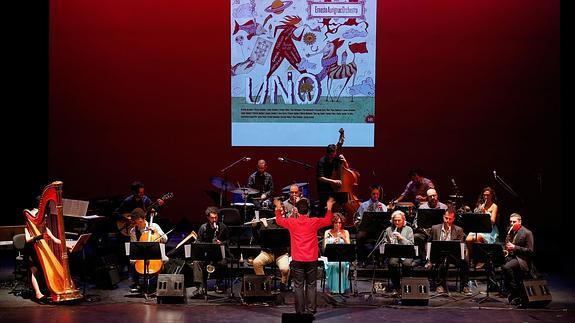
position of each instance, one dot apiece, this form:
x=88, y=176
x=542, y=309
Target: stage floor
x=118, y=305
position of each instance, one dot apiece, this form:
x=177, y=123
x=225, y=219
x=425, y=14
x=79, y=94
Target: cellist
x=141, y=226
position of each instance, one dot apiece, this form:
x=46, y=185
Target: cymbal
x=220, y=183
x=245, y=190
x=456, y=196
x=286, y=189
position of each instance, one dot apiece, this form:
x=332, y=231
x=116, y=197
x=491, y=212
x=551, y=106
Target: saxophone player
x=520, y=248
x=216, y=232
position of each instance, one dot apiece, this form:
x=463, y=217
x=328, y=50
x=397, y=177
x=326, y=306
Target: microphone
x=247, y=159
x=495, y=174
x=283, y=160
x=453, y=182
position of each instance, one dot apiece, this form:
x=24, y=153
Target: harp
x=53, y=256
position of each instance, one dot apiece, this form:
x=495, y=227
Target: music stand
x=145, y=251
x=440, y=251
x=232, y=218
x=178, y=252
x=477, y=223
x=340, y=252
x=77, y=246
x=491, y=254
x=426, y=218
x=389, y=250
x=374, y=222
x=274, y=238
x=207, y=252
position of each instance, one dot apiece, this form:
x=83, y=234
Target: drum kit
x=244, y=200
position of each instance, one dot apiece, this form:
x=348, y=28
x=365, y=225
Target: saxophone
x=507, y=240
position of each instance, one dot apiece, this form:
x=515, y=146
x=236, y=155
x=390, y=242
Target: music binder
x=78, y=245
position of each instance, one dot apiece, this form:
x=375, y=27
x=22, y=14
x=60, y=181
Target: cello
x=349, y=182
x=151, y=266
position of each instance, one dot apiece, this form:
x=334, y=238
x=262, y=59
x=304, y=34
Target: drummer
x=416, y=189
x=261, y=181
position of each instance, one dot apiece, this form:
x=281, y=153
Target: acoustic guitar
x=124, y=223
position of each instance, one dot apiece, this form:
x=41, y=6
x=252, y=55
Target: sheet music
x=76, y=245
x=77, y=208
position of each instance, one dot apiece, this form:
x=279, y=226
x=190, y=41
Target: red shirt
x=303, y=234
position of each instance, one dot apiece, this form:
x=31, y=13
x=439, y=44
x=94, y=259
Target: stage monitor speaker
x=415, y=291
x=536, y=293
x=257, y=286
x=170, y=288
x=295, y=317
x=107, y=277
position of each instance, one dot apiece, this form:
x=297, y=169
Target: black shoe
x=135, y=289
x=516, y=302
x=42, y=300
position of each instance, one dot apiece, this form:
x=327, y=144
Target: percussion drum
x=247, y=210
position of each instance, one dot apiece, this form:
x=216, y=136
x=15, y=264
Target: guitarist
x=328, y=173
x=123, y=214
x=137, y=198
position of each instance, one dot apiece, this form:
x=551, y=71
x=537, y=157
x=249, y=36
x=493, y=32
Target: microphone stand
x=379, y=242
x=224, y=189
x=297, y=162
x=506, y=186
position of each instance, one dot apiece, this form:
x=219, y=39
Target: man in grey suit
x=447, y=231
x=520, y=247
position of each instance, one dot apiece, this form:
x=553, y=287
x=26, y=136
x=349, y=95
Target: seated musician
x=270, y=254
x=447, y=231
x=416, y=188
x=336, y=235
x=141, y=226
x=486, y=204
x=520, y=247
x=421, y=235
x=212, y=232
x=137, y=199
x=371, y=205
x=289, y=204
x=261, y=181
x=122, y=214
x=398, y=233
x=37, y=279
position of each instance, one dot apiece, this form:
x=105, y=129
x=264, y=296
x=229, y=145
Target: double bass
x=349, y=182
